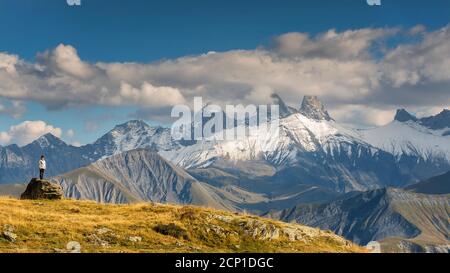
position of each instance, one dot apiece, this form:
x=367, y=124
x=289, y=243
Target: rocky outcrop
x=404, y=116
x=313, y=108
x=42, y=189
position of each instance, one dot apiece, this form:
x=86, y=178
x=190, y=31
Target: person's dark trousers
x=41, y=173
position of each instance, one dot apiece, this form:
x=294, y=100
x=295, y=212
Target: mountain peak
x=404, y=116
x=313, y=108
x=133, y=124
x=284, y=109
x=48, y=140
x=437, y=122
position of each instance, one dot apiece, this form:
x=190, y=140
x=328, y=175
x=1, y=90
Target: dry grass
x=47, y=226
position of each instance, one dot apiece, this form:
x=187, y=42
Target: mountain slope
x=153, y=228
x=310, y=145
x=138, y=175
x=400, y=220
x=435, y=185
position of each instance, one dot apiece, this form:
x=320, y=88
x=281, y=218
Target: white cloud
x=345, y=45
x=8, y=63
x=149, y=95
x=27, y=131
x=338, y=66
x=65, y=59
x=361, y=115
x=427, y=61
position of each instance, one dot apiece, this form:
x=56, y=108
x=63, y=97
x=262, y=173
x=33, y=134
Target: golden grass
x=47, y=226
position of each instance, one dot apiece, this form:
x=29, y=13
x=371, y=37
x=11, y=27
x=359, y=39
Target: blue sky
x=149, y=31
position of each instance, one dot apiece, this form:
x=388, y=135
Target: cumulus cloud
x=353, y=67
x=427, y=61
x=345, y=45
x=27, y=131
x=149, y=95
x=65, y=59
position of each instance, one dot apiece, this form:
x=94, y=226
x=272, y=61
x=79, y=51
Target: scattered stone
x=223, y=218
x=291, y=233
x=260, y=230
x=103, y=230
x=94, y=239
x=42, y=189
x=73, y=247
x=8, y=233
x=135, y=239
x=219, y=231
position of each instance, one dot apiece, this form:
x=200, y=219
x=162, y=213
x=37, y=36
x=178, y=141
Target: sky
x=77, y=71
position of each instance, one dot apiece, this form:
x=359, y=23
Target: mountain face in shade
x=403, y=116
x=436, y=185
x=313, y=108
x=437, y=122
x=402, y=221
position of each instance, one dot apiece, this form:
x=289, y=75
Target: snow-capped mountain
x=426, y=138
x=305, y=146
x=128, y=136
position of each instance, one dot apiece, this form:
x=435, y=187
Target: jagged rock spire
x=404, y=116
x=313, y=108
x=285, y=110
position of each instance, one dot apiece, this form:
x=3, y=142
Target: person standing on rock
x=42, y=167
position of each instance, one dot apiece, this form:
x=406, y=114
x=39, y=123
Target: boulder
x=42, y=189
x=8, y=233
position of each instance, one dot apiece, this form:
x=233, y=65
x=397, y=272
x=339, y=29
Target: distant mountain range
x=312, y=149
x=415, y=219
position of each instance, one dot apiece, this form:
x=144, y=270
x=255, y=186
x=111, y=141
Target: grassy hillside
x=48, y=226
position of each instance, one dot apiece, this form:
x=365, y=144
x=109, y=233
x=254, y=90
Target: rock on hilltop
x=42, y=189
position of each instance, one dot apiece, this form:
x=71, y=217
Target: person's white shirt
x=42, y=164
